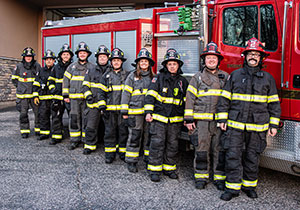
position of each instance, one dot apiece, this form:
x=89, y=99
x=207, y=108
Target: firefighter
x=248, y=110
x=23, y=77
x=42, y=95
x=164, y=108
x=132, y=109
x=58, y=105
x=91, y=84
x=116, y=131
x=201, y=100
x=72, y=92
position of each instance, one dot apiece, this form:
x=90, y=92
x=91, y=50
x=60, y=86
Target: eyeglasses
x=254, y=55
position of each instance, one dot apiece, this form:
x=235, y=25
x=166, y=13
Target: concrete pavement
x=35, y=175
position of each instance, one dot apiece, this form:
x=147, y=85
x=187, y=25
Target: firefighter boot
x=171, y=174
x=109, y=158
x=227, y=196
x=73, y=145
x=86, y=151
x=132, y=167
x=250, y=193
x=25, y=135
x=200, y=184
x=54, y=141
x=42, y=137
x=220, y=185
x=155, y=177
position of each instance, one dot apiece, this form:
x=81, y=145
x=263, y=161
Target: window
x=240, y=25
x=268, y=27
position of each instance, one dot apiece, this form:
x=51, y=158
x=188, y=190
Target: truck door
x=237, y=23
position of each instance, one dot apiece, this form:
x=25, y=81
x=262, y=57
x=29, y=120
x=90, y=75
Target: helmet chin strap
x=211, y=69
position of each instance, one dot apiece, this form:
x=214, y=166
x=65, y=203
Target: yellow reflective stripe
x=124, y=106
x=167, y=167
x=249, y=98
x=24, y=96
x=221, y=116
x=138, y=92
x=96, y=105
x=35, y=94
x=83, y=134
x=68, y=75
x=146, y=152
x=25, y=131
x=14, y=76
x=236, y=125
x=234, y=186
x=113, y=107
x=45, y=97
x=51, y=87
x=65, y=90
x=132, y=154
x=56, y=136
x=257, y=127
x=201, y=176
x=128, y=88
x=176, y=119
x=110, y=149
x=76, y=95
x=77, y=78
x=154, y=168
x=149, y=107
x=274, y=120
x=160, y=118
x=219, y=177
x=87, y=93
x=116, y=88
x=188, y=112
x=136, y=111
x=122, y=149
x=36, y=83
x=91, y=147
x=273, y=98
x=36, y=130
x=192, y=90
x=21, y=79
x=58, y=97
x=247, y=183
x=152, y=93
x=51, y=78
x=226, y=94
x=86, y=83
x=99, y=85
x=209, y=92
x=45, y=132
x=75, y=134
x=204, y=116
x=59, y=80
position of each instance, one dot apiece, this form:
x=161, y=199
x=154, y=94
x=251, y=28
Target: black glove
x=90, y=99
x=193, y=135
x=55, y=105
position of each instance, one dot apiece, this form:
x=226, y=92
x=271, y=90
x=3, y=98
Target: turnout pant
x=116, y=134
x=22, y=106
x=57, y=112
x=242, y=150
x=208, y=136
x=76, y=119
x=92, y=118
x=44, y=117
x=138, y=132
x=163, y=146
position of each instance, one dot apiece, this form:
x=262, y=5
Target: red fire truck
x=229, y=23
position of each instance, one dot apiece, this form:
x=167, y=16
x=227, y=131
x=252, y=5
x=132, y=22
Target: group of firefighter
x=227, y=116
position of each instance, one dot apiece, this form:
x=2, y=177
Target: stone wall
x=7, y=89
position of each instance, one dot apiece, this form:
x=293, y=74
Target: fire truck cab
x=229, y=23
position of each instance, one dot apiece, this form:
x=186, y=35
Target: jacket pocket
x=261, y=118
x=261, y=146
x=233, y=114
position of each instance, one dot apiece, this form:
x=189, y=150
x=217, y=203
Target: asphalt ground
x=36, y=175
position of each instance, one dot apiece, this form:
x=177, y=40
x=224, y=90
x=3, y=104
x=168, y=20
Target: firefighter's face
x=253, y=58
x=102, y=59
x=172, y=66
x=65, y=56
x=28, y=59
x=211, y=61
x=144, y=64
x=116, y=63
x=49, y=62
x=82, y=55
